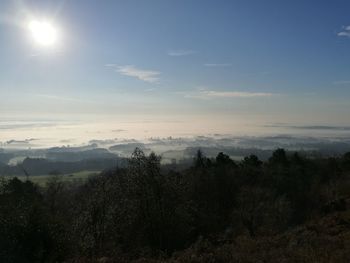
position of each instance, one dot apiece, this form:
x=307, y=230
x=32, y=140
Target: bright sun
x=44, y=33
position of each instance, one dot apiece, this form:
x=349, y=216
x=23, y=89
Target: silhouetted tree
x=279, y=157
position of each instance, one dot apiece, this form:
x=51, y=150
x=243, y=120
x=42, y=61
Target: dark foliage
x=215, y=211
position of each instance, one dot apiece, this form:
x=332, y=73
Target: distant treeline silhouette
x=41, y=166
x=287, y=209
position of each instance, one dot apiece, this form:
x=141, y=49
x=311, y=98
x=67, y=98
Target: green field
x=41, y=180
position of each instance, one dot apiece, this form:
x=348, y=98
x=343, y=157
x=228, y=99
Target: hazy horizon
x=45, y=133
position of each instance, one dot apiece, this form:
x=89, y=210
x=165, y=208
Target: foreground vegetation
x=288, y=209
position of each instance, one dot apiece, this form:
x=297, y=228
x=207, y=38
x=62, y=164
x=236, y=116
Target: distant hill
x=40, y=166
x=66, y=155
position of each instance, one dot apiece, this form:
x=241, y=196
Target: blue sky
x=256, y=61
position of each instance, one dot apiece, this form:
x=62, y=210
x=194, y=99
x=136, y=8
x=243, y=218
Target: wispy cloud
x=345, y=32
x=341, y=82
x=25, y=125
x=150, y=76
x=310, y=127
x=181, y=52
x=212, y=94
x=218, y=64
x=150, y=89
x=60, y=98
x=110, y=65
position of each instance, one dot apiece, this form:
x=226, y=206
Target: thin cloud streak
x=218, y=64
x=310, y=127
x=150, y=76
x=211, y=94
x=341, y=82
x=60, y=98
x=181, y=52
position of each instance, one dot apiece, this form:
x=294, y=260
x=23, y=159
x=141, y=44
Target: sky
x=162, y=67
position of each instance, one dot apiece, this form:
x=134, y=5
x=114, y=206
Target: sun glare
x=44, y=33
